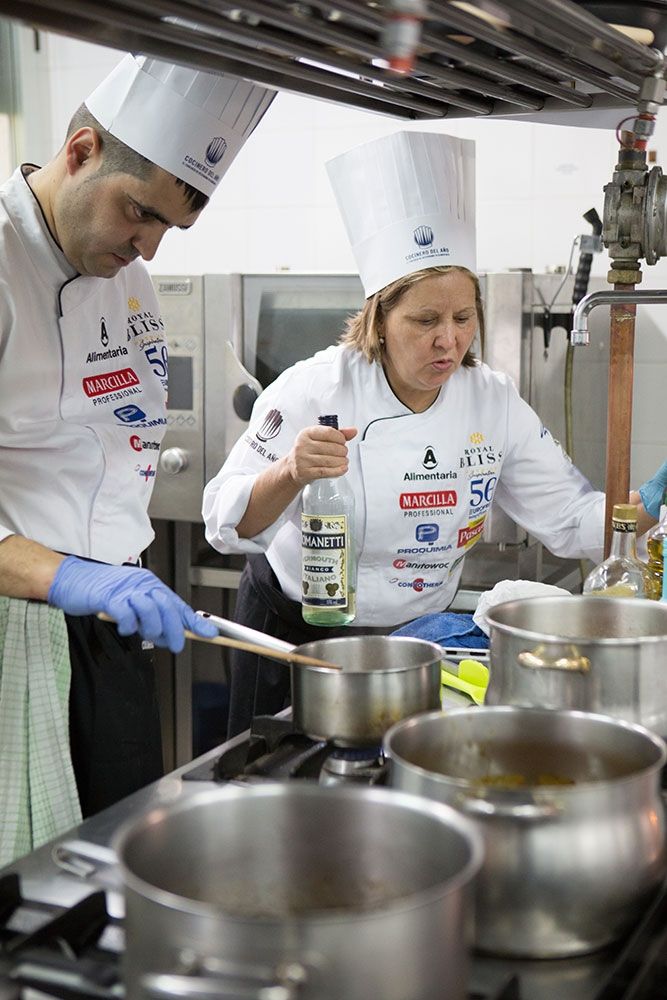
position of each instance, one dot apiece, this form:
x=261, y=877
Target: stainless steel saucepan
x=383, y=679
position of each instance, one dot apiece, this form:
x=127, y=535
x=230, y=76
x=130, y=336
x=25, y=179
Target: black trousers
x=114, y=720
x=259, y=686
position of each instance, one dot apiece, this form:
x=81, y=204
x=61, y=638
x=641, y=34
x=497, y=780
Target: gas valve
x=635, y=205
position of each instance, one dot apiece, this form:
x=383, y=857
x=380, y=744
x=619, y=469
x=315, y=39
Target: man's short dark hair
x=120, y=159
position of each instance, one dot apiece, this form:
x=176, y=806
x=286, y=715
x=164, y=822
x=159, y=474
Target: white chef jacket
x=423, y=482
x=83, y=383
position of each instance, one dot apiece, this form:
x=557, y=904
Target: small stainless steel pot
x=568, y=867
x=295, y=890
x=384, y=679
x=596, y=654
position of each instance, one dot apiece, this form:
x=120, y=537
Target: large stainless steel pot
x=384, y=679
x=320, y=893
x=568, y=867
x=596, y=654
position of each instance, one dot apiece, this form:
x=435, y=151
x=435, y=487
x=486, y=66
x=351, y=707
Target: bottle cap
x=624, y=512
x=329, y=420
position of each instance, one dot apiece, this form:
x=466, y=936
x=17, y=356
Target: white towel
x=37, y=784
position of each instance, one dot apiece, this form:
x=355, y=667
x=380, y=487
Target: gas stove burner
x=367, y=765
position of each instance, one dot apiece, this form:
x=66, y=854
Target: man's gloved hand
x=135, y=598
x=653, y=491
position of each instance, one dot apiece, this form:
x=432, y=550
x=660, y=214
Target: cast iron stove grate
x=274, y=749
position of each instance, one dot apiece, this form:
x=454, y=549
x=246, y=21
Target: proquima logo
x=427, y=532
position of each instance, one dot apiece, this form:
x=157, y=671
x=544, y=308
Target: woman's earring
x=381, y=339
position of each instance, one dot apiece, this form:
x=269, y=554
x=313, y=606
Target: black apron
x=114, y=720
x=259, y=686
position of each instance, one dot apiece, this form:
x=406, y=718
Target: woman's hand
x=319, y=453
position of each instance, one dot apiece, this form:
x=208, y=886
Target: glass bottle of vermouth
x=328, y=563
x=622, y=574
x=654, y=545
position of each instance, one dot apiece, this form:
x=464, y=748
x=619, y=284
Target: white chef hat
x=188, y=122
x=408, y=202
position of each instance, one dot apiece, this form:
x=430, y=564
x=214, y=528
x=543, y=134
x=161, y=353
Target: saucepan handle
x=235, y=631
x=227, y=981
x=540, y=659
x=478, y=808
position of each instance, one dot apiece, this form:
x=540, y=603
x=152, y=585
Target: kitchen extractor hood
x=548, y=60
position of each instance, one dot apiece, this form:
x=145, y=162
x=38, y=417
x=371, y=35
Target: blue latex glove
x=135, y=598
x=653, y=491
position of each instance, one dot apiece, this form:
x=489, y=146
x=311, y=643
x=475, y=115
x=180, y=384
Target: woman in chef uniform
x=429, y=437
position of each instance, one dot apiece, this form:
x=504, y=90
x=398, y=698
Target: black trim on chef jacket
x=259, y=686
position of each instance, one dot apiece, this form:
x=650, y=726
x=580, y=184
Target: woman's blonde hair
x=364, y=330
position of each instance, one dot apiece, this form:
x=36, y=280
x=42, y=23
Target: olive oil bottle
x=622, y=574
x=654, y=545
x=328, y=562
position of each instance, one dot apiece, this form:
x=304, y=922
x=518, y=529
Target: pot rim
x=437, y=654
x=526, y=794
x=522, y=632
x=416, y=803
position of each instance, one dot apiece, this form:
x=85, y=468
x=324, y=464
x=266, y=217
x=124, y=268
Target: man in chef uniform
x=428, y=436
x=83, y=392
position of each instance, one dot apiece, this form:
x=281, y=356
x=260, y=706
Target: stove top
x=59, y=938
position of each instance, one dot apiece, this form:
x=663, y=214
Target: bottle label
x=324, y=561
x=624, y=526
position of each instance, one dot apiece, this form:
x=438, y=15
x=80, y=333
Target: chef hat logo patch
x=271, y=426
x=423, y=236
x=215, y=150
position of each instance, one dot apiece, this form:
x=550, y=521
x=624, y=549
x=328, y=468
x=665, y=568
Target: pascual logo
x=102, y=385
x=470, y=534
x=427, y=501
x=423, y=236
x=273, y=421
x=215, y=150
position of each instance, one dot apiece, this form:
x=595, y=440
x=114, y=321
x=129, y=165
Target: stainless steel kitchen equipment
x=570, y=806
x=596, y=654
x=237, y=890
x=60, y=936
x=384, y=679
x=560, y=61
x=229, y=336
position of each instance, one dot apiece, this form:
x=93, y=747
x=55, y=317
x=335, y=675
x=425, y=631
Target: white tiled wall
x=274, y=209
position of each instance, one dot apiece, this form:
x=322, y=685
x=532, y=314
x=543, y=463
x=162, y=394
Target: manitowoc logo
x=100, y=385
x=423, y=501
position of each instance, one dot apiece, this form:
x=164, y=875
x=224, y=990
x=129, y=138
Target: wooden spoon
x=250, y=647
